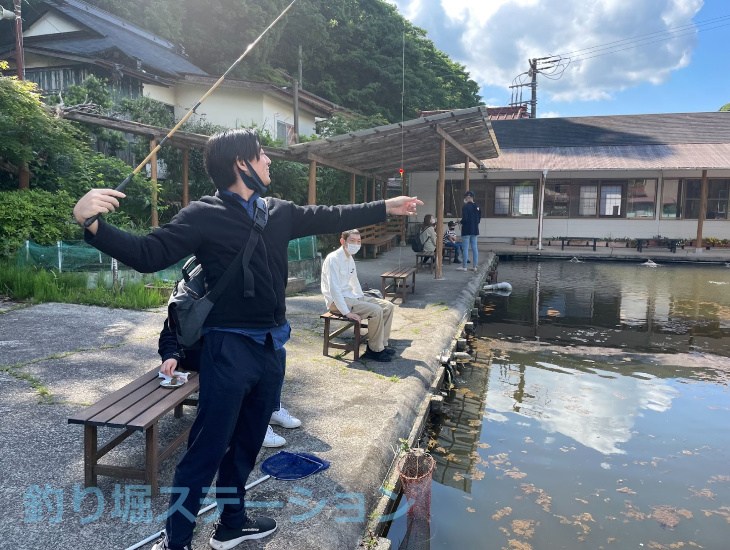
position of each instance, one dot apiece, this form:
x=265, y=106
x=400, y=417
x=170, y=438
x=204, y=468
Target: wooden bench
x=577, y=241
x=420, y=256
x=399, y=284
x=137, y=407
x=329, y=334
x=375, y=237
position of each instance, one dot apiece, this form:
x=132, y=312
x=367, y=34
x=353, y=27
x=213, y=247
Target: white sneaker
x=284, y=419
x=461, y=269
x=475, y=268
x=161, y=544
x=272, y=439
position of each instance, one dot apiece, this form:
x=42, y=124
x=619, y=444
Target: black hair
x=222, y=151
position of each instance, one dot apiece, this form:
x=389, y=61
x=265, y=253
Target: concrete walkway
x=57, y=359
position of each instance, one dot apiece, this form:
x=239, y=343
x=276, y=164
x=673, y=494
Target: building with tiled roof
x=635, y=176
x=65, y=41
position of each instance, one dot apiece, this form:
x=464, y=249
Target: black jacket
x=214, y=229
x=167, y=347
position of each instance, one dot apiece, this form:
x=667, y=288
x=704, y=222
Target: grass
x=35, y=285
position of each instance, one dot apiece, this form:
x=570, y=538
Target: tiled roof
x=613, y=157
x=619, y=130
x=105, y=33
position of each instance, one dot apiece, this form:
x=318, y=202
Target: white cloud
x=495, y=39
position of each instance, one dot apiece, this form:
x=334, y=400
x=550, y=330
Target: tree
x=31, y=137
x=725, y=107
x=352, y=50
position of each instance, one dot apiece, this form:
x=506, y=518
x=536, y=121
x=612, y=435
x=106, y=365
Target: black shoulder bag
x=191, y=302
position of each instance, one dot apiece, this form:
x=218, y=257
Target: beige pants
x=379, y=314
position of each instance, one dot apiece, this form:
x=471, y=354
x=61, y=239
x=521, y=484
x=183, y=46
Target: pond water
x=596, y=415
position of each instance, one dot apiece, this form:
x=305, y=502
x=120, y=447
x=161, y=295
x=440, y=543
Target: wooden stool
x=420, y=256
x=399, y=285
x=354, y=346
x=449, y=254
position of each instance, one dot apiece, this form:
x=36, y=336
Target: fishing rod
x=182, y=121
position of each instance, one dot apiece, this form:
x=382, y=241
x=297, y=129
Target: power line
x=671, y=34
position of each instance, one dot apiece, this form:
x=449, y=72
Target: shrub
x=38, y=215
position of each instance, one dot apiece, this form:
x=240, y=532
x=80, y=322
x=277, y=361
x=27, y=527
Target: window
x=611, y=200
x=671, y=199
x=556, y=200
x=717, y=203
x=588, y=200
x=641, y=197
x=501, y=200
x=692, y=198
x=523, y=200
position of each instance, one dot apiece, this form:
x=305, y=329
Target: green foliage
x=92, y=90
x=30, y=134
x=352, y=49
x=725, y=107
x=36, y=215
x=40, y=285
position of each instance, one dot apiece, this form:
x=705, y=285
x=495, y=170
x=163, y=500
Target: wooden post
x=312, y=194
x=440, y=210
x=186, y=178
x=352, y=188
x=466, y=174
x=703, y=210
x=154, y=219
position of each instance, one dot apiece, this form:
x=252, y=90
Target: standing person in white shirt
x=343, y=294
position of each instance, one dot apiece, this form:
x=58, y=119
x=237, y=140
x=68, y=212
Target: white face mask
x=353, y=249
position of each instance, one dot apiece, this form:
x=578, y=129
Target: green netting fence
x=77, y=256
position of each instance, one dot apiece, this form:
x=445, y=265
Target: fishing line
x=184, y=119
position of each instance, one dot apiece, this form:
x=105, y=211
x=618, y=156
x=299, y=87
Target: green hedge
x=35, y=215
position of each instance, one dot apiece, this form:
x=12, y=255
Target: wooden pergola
x=454, y=137
x=463, y=136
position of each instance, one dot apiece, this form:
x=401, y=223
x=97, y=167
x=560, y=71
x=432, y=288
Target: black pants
x=240, y=384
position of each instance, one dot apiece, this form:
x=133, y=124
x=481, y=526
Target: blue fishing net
x=288, y=466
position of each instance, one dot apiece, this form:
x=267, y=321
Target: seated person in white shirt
x=343, y=294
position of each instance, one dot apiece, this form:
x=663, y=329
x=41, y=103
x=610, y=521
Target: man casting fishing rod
x=240, y=367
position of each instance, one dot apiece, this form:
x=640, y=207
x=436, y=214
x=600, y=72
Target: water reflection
x=669, y=308
x=576, y=403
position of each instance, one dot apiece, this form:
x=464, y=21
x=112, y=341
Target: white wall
x=51, y=23
x=231, y=107
x=424, y=184
x=276, y=109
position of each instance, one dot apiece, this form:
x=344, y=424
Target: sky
x=610, y=57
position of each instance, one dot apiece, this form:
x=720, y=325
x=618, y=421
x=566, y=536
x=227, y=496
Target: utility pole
x=533, y=85
x=19, y=57
x=546, y=65
x=15, y=16
x=300, y=66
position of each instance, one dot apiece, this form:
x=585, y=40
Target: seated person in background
x=173, y=356
x=428, y=236
x=452, y=241
x=343, y=294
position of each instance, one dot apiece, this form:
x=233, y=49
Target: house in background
x=65, y=41
x=635, y=176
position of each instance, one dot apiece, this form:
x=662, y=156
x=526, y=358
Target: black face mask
x=253, y=181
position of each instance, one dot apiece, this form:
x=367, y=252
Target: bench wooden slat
x=138, y=406
x=400, y=282
x=114, y=415
x=83, y=416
